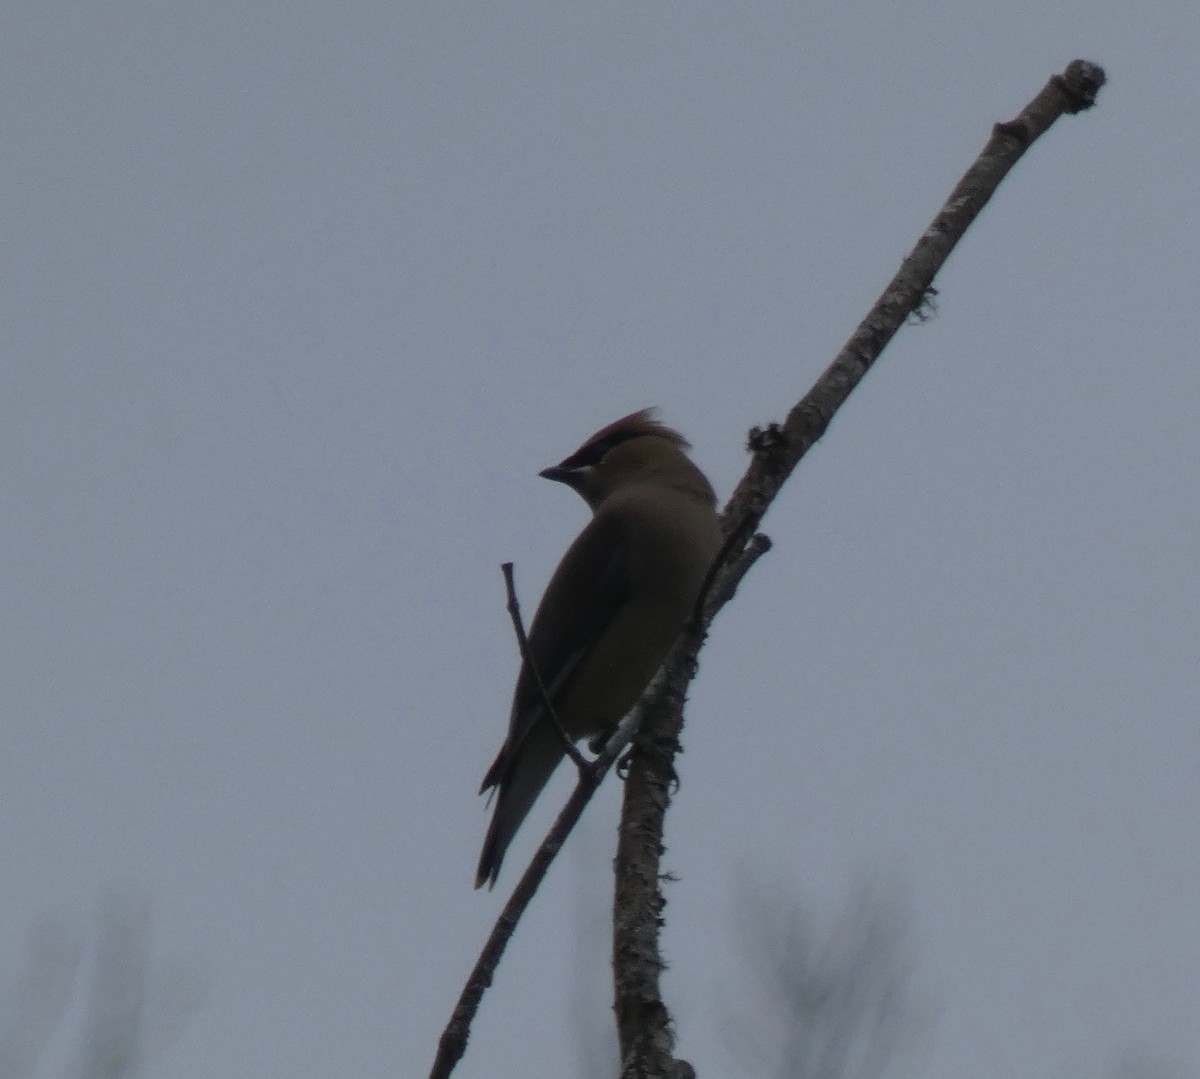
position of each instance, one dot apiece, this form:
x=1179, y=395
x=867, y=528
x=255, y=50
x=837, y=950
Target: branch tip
x=1081, y=82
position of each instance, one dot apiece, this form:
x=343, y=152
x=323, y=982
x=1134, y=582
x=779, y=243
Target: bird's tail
x=532, y=764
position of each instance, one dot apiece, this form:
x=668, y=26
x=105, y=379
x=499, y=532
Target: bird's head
x=636, y=449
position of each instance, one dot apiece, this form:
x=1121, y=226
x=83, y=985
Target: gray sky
x=297, y=301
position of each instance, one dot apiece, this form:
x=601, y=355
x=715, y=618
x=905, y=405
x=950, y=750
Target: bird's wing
x=587, y=591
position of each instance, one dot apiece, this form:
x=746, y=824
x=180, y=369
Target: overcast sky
x=298, y=298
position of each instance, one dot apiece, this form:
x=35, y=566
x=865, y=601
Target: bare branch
x=453, y=1042
x=643, y=1021
x=778, y=449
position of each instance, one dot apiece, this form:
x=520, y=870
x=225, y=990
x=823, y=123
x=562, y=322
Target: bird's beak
x=559, y=474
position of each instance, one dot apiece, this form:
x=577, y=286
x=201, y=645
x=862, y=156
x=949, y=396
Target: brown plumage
x=612, y=609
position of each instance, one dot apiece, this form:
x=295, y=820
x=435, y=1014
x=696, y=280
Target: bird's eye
x=588, y=456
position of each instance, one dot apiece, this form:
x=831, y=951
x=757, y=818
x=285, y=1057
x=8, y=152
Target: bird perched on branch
x=612, y=610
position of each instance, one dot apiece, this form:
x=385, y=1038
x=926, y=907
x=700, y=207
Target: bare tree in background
x=837, y=1003
x=1140, y=1062
x=34, y=1003
x=94, y=1005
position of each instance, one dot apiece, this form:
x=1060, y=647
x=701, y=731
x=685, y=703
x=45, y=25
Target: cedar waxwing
x=612, y=610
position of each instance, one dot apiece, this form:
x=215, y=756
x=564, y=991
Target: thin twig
x=514, y=612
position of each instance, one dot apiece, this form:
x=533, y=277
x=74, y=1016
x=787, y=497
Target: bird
x=614, y=606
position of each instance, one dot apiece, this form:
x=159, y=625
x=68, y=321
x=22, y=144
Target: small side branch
x=514, y=612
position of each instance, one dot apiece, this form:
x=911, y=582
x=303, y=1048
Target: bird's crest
x=636, y=425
